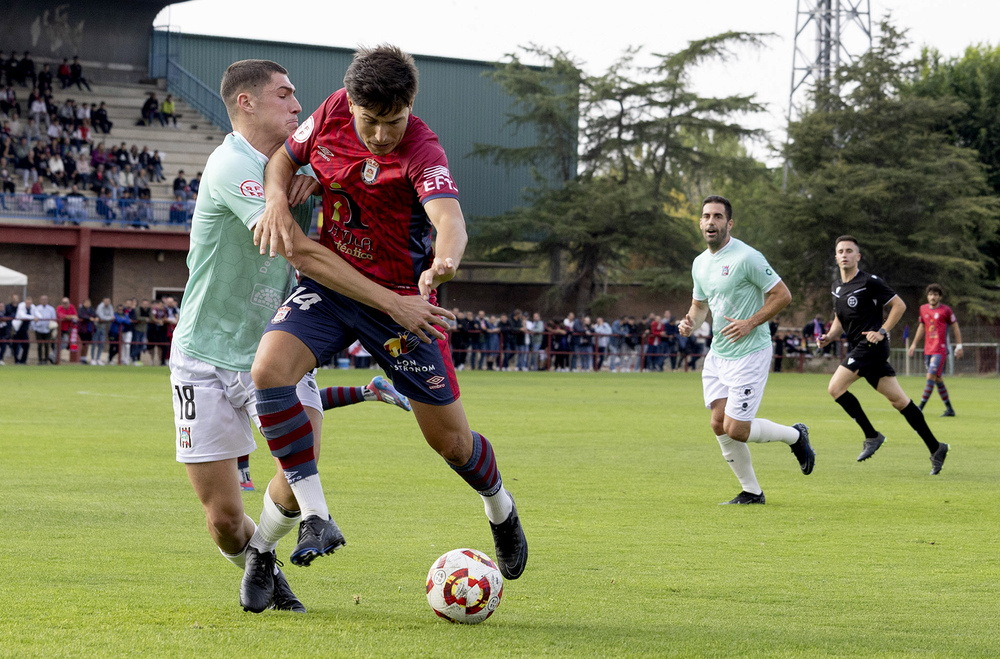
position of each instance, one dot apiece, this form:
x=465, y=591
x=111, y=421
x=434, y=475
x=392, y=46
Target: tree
x=618, y=205
x=875, y=163
x=973, y=79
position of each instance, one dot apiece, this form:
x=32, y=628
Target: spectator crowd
x=100, y=335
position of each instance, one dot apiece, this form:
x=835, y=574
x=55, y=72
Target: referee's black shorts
x=870, y=361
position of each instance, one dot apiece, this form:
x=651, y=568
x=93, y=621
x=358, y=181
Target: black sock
x=915, y=418
x=853, y=409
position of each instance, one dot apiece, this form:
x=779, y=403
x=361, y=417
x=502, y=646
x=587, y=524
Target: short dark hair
x=847, y=237
x=249, y=75
x=383, y=79
x=934, y=288
x=716, y=199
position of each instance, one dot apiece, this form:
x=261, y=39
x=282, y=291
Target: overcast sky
x=592, y=32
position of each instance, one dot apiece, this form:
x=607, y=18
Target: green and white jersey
x=232, y=290
x=734, y=281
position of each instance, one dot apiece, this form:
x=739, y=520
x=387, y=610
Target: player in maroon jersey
x=934, y=321
x=385, y=183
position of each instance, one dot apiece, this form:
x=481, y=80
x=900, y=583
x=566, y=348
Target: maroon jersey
x=936, y=321
x=373, y=213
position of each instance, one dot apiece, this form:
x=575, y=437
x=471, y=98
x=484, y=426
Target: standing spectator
x=537, y=329
x=140, y=322
x=510, y=332
x=68, y=318
x=167, y=111
x=558, y=345
x=178, y=210
x=99, y=118
x=602, y=331
x=5, y=178
x=23, y=317
x=151, y=110
x=583, y=356
x=7, y=329
x=156, y=332
x=654, y=340
x=702, y=342
x=119, y=326
x=44, y=323
x=812, y=331
x=524, y=342
x=63, y=73
x=672, y=342
x=85, y=327
x=633, y=340
x=76, y=75
x=126, y=331
x=105, y=316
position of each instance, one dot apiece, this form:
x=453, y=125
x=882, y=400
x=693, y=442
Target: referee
x=859, y=299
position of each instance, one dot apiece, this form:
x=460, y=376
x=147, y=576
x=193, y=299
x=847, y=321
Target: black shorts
x=328, y=322
x=870, y=361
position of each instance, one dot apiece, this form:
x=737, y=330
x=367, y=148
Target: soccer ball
x=464, y=586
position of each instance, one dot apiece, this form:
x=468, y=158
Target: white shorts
x=740, y=381
x=213, y=409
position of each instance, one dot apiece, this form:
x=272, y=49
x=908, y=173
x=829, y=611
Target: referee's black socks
x=853, y=409
x=915, y=418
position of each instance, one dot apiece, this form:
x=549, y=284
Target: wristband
x=958, y=346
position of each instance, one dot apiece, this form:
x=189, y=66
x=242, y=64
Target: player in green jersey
x=232, y=292
x=735, y=282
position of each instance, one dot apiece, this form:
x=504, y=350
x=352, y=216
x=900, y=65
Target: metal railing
x=197, y=94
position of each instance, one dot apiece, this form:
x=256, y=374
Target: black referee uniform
x=859, y=306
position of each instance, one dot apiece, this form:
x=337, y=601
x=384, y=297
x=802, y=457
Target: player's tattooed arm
x=775, y=300
x=445, y=214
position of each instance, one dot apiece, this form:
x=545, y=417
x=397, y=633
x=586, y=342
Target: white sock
x=762, y=431
x=499, y=505
x=274, y=525
x=239, y=558
x=738, y=456
x=309, y=493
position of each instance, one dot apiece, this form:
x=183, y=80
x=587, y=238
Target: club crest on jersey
x=281, y=314
x=725, y=270
x=304, y=131
x=402, y=344
x=852, y=301
x=251, y=188
x=184, y=437
x=370, y=171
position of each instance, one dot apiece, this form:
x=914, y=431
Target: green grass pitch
x=617, y=477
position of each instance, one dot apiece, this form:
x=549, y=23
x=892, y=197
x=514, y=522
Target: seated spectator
x=151, y=110
x=67, y=115
x=195, y=184
x=38, y=109
x=126, y=179
x=76, y=204
x=76, y=75
x=57, y=170
x=54, y=132
x=8, y=100
x=141, y=183
x=104, y=207
x=83, y=169
x=180, y=185
x=15, y=125
x=31, y=131
x=26, y=70
x=45, y=80
x=6, y=177
x=99, y=118
x=167, y=111
x=178, y=210
x=99, y=156
x=81, y=136
x=156, y=166
x=82, y=112
x=63, y=73
x=99, y=180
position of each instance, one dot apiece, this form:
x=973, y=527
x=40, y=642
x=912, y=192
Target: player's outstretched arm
x=916, y=339
x=445, y=214
x=275, y=229
x=775, y=300
x=411, y=311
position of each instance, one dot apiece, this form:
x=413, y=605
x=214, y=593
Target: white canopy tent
x=10, y=277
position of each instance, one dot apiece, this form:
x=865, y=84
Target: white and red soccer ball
x=464, y=586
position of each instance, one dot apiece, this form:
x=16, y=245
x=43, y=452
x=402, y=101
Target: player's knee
x=834, y=391
x=738, y=432
x=226, y=523
x=718, y=427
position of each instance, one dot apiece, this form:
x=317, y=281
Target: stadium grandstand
x=96, y=231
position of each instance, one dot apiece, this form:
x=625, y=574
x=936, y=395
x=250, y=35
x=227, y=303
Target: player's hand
x=736, y=329
x=874, y=337
x=274, y=230
x=909, y=353
x=959, y=352
x=421, y=318
x=685, y=327
x=441, y=270
x=301, y=188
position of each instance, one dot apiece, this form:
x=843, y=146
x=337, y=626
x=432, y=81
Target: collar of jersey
x=264, y=159
x=724, y=248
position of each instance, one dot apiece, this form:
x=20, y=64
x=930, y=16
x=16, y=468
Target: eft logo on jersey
x=251, y=188
x=402, y=344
